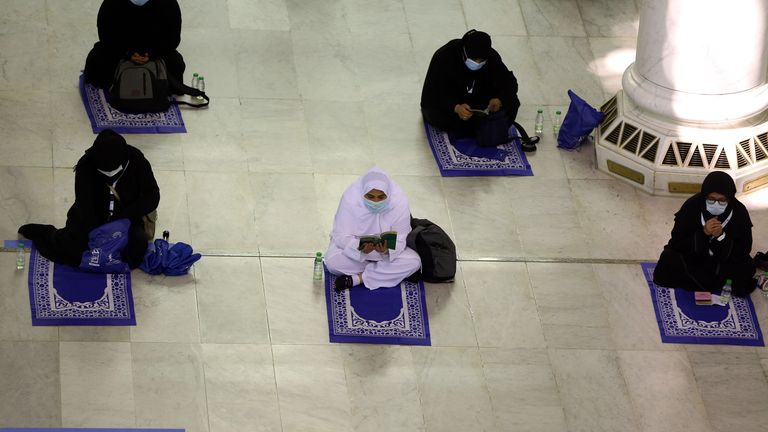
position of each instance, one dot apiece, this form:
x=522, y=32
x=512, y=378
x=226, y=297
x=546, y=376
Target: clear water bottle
x=195, y=79
x=725, y=294
x=762, y=283
x=556, y=122
x=200, y=86
x=20, y=258
x=539, y=129
x=318, y=274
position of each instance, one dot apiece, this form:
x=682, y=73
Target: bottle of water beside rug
x=318, y=272
x=725, y=294
x=20, y=258
x=762, y=283
x=556, y=123
x=539, y=128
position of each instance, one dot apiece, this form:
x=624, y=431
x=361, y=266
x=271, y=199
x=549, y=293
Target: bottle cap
x=201, y=78
x=540, y=110
x=20, y=243
x=195, y=74
x=728, y=281
x=319, y=254
x=556, y=112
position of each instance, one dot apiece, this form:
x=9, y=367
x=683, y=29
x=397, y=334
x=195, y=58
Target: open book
x=389, y=236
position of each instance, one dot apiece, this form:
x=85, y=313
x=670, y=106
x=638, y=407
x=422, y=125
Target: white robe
x=353, y=219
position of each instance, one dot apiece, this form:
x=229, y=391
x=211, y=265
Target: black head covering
x=477, y=44
x=720, y=182
x=109, y=150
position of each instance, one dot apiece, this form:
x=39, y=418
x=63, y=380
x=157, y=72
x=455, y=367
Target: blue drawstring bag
x=170, y=260
x=579, y=121
x=105, y=244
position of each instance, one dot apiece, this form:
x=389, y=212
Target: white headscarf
x=353, y=218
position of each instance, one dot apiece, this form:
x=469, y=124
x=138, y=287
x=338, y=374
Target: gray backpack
x=435, y=248
x=140, y=88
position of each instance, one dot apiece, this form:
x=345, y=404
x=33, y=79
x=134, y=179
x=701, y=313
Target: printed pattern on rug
x=63, y=295
x=681, y=320
x=103, y=116
x=453, y=163
x=394, y=315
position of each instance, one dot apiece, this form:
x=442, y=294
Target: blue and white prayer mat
x=395, y=315
x=681, y=320
x=465, y=158
x=103, y=116
x=86, y=430
x=61, y=295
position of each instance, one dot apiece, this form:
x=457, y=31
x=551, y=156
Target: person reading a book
x=113, y=180
x=368, y=237
x=467, y=79
x=711, y=242
x=139, y=30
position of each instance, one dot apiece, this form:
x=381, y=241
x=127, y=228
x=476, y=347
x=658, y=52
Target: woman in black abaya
x=711, y=242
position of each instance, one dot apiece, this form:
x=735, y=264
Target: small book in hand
x=389, y=236
x=479, y=112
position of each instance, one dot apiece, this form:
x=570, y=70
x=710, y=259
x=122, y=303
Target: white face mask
x=473, y=65
x=716, y=209
x=112, y=173
x=139, y=2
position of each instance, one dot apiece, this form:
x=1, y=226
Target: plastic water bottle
x=725, y=294
x=318, y=275
x=20, y=258
x=539, y=128
x=200, y=86
x=556, y=123
x=195, y=79
x=762, y=283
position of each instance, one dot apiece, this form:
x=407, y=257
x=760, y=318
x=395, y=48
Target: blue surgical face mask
x=376, y=207
x=139, y=2
x=716, y=208
x=473, y=65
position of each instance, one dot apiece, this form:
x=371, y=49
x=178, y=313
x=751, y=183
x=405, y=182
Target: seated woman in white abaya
x=373, y=205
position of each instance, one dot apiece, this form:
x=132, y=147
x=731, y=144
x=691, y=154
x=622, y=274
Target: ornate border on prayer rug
x=395, y=315
x=61, y=295
x=453, y=163
x=681, y=320
x=103, y=116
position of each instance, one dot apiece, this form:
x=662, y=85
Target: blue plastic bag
x=105, y=244
x=170, y=260
x=579, y=121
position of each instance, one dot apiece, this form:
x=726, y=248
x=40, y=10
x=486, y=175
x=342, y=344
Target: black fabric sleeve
x=148, y=193
x=169, y=29
x=108, y=32
x=84, y=199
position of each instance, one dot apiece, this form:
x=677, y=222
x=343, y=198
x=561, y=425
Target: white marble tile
x=289, y=199
x=426, y=198
x=205, y=14
x=265, y=65
x=495, y=17
x=312, y=388
x=26, y=195
x=659, y=216
x=581, y=164
x=612, y=216
x=503, y=307
x=450, y=317
x=552, y=18
x=96, y=385
x=258, y=15
x=166, y=309
x=63, y=13
x=612, y=57
x=571, y=306
x=25, y=57
x=382, y=388
x=663, y=390
x=523, y=390
x=332, y=187
x=390, y=75
x=15, y=11
x=63, y=195
x=731, y=385
x=476, y=203
x=31, y=395
x=221, y=212
x=240, y=388
x=231, y=301
x=630, y=309
x=163, y=151
x=295, y=303
x=319, y=17
x=95, y=333
x=325, y=67
x=397, y=136
x=338, y=138
x=173, y=211
x=454, y=396
x=275, y=136
x=169, y=386
x=70, y=121
x=425, y=15
x=26, y=130
x=385, y=17
x=609, y=17
x=593, y=391
x=64, y=67
x=212, y=54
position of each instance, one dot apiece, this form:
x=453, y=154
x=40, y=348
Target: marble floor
x=548, y=327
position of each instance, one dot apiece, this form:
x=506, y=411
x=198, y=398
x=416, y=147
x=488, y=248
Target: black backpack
x=147, y=88
x=436, y=250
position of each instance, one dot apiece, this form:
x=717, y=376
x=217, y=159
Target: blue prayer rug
x=395, y=315
x=465, y=159
x=61, y=295
x=681, y=320
x=103, y=116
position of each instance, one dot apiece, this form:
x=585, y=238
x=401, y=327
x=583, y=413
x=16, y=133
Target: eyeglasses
x=721, y=202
